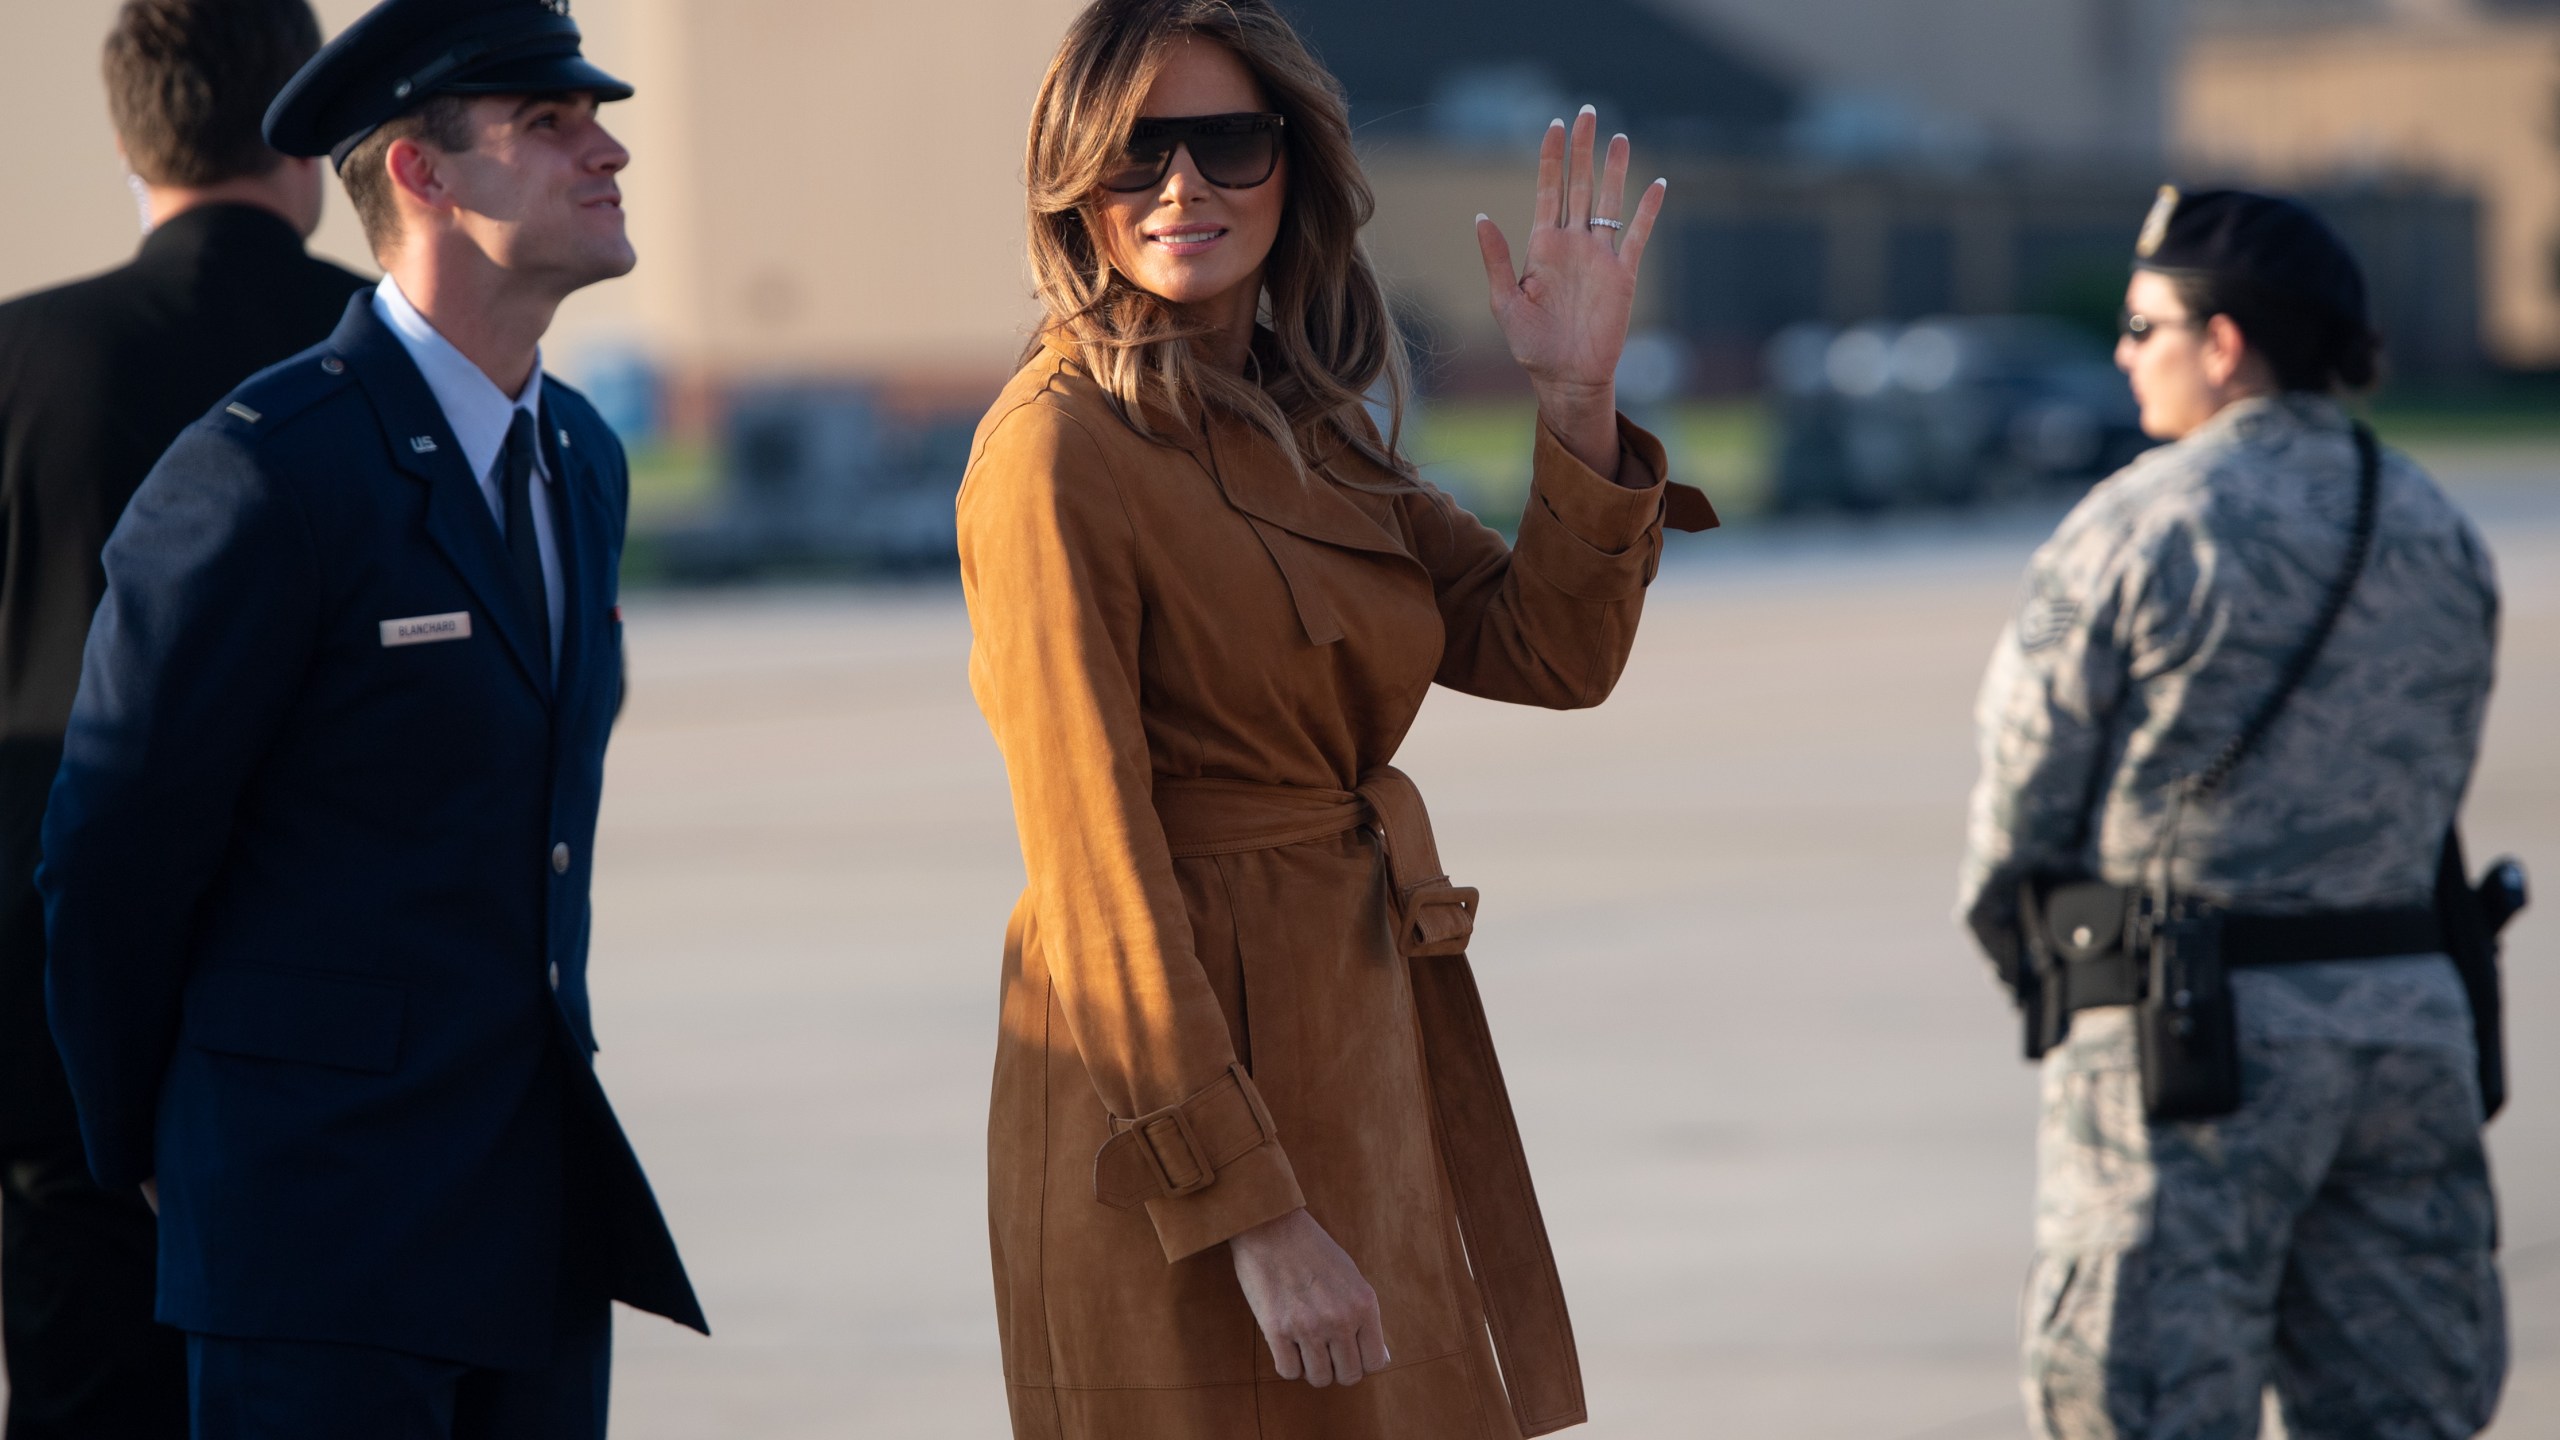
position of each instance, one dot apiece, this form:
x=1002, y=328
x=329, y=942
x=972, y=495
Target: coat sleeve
x=1048, y=561
x=1548, y=620
x=210, y=617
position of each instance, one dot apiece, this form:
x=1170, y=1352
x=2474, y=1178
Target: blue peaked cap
x=402, y=53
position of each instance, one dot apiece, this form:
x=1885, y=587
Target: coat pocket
x=293, y=1015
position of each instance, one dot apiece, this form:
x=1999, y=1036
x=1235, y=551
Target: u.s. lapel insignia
x=423, y=444
x=2155, y=226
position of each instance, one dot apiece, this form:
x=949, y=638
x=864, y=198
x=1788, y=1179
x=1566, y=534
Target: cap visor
x=539, y=75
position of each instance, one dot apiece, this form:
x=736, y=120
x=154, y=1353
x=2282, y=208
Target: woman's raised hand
x=1565, y=315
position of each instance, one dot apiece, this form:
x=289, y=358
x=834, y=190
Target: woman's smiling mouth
x=1186, y=239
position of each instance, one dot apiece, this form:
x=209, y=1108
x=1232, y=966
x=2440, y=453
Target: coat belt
x=1498, y=1217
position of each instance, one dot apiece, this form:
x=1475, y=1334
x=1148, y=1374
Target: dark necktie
x=524, y=550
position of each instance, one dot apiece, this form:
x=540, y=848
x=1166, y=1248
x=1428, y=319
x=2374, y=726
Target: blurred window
x=1747, y=280
x=2074, y=271
x=1496, y=105
x=1919, y=271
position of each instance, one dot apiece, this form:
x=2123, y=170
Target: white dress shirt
x=481, y=414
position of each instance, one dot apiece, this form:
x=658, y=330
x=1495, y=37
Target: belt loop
x=1262, y=1120
x=1433, y=917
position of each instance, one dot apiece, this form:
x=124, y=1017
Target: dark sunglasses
x=1234, y=152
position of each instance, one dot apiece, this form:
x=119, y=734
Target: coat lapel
x=1251, y=473
x=422, y=444
x=1254, y=479
x=1286, y=509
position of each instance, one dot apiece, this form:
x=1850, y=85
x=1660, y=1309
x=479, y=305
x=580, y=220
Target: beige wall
x=74, y=212
x=827, y=185
x=2067, y=78
x=844, y=180
x=2470, y=102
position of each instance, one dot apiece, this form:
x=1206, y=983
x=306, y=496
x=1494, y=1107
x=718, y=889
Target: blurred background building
x=1882, y=211
x=2377, y=94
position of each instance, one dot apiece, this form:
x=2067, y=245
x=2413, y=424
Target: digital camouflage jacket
x=2158, y=618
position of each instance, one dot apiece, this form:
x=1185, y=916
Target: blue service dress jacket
x=316, y=876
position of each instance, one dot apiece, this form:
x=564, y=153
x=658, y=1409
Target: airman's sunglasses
x=1233, y=152
x=2138, y=327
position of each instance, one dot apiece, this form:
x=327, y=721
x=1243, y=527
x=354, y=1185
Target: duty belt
x=2090, y=927
x=1498, y=1217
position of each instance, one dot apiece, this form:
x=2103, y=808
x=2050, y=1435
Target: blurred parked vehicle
x=1949, y=410
x=826, y=477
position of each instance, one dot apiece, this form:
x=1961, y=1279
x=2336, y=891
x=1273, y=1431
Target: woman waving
x=1245, y=1109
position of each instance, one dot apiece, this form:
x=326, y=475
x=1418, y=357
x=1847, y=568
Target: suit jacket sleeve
x=1549, y=620
x=210, y=618
x=1049, y=561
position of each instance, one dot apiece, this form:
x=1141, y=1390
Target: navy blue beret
x=2266, y=244
x=401, y=53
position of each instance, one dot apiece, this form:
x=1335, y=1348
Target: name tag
x=426, y=629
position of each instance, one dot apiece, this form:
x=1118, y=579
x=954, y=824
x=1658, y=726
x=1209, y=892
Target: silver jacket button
x=555, y=974
x=560, y=858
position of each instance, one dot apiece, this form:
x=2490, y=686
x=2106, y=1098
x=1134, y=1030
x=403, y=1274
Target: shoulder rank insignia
x=2155, y=226
x=2048, y=615
x=243, y=411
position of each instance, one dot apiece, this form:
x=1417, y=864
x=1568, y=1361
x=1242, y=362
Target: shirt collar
x=2263, y=417
x=479, y=412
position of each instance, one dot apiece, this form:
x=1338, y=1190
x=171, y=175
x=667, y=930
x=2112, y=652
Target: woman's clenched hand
x=1319, y=1315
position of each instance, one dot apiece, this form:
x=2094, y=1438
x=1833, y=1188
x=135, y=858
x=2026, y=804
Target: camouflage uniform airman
x=2335, y=1237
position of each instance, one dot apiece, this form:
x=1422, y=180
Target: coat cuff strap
x=1180, y=1149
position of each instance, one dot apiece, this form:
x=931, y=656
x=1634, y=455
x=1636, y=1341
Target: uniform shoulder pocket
x=297, y=1016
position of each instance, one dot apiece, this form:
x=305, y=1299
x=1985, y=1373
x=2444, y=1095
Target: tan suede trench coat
x=1220, y=986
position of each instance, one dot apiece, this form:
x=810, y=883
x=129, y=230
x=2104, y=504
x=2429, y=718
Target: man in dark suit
x=96, y=378
x=317, y=864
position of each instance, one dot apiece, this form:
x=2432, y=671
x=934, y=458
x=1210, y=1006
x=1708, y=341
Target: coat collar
x=1255, y=478
x=476, y=411
x=214, y=237
x=1258, y=480
x=422, y=445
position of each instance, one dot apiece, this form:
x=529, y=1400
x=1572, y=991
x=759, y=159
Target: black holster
x=2188, y=1022
x=2072, y=933
x=2087, y=943
x=2472, y=915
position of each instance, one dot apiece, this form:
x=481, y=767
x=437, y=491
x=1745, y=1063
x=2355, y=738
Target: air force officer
x=316, y=866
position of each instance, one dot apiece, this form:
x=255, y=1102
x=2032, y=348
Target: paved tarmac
x=1771, y=1096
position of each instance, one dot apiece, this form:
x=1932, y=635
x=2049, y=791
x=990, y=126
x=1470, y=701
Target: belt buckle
x=1202, y=1174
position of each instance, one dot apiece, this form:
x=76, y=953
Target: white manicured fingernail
x=1482, y=217
x=1664, y=183
x=1555, y=124
x=1618, y=139
x=1589, y=110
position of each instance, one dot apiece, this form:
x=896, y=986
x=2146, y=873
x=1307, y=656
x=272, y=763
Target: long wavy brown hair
x=1330, y=336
